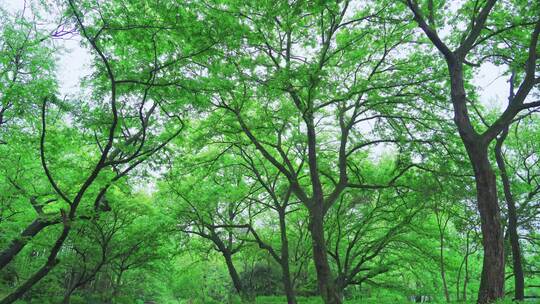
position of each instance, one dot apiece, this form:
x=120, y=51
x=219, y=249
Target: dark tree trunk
x=441, y=261
x=519, y=280
x=466, y=278
x=492, y=279
x=67, y=296
x=325, y=281
x=316, y=207
x=285, y=269
x=42, y=272
x=69, y=287
x=75, y=282
x=18, y=244
x=233, y=273
x=117, y=283
x=341, y=283
x=287, y=283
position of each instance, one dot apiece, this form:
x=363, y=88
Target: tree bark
x=18, y=244
x=464, y=262
x=519, y=280
x=284, y=261
x=325, y=281
x=341, y=284
x=442, y=228
x=327, y=287
x=67, y=296
x=117, y=283
x=43, y=271
x=233, y=273
x=466, y=278
x=492, y=279
x=287, y=283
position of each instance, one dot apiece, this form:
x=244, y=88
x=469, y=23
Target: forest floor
x=317, y=300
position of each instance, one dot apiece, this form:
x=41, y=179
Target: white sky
x=495, y=86
x=73, y=63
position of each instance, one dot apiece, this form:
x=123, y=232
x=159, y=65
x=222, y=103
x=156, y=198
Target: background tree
x=213, y=205
x=319, y=102
x=524, y=162
x=480, y=31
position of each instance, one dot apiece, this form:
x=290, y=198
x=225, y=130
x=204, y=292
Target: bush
x=262, y=280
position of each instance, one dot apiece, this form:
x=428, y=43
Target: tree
x=277, y=198
x=119, y=153
x=317, y=103
x=24, y=50
x=477, y=34
x=514, y=217
x=212, y=205
x=363, y=227
x=97, y=245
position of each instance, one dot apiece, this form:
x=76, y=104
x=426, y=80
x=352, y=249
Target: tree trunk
x=67, y=296
x=69, y=287
x=466, y=278
x=341, y=283
x=325, y=281
x=287, y=284
x=42, y=272
x=443, y=270
x=466, y=275
x=285, y=269
x=519, y=280
x=18, y=244
x=117, y=284
x=233, y=273
x=492, y=279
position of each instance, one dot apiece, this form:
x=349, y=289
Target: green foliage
x=211, y=140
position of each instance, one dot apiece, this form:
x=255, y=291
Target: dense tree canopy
x=224, y=151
